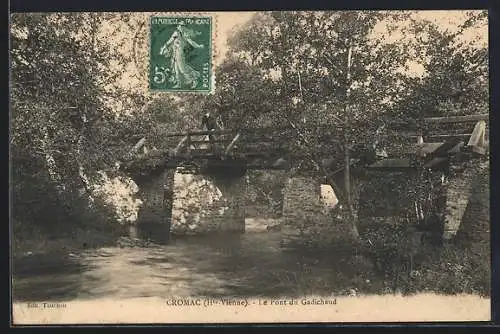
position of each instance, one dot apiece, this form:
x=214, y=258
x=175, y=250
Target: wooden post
x=230, y=146
x=181, y=144
x=477, y=141
x=188, y=144
x=137, y=146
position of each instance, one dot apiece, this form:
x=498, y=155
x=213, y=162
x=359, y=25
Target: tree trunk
x=347, y=158
x=87, y=188
x=347, y=187
x=50, y=162
x=86, y=185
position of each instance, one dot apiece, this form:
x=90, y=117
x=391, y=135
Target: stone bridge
x=200, y=185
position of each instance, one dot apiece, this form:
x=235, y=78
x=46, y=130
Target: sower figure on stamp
x=175, y=49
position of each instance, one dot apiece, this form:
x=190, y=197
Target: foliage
x=312, y=69
x=300, y=59
x=63, y=131
x=456, y=72
x=265, y=193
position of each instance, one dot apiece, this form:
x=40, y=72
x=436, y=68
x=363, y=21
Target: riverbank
x=36, y=243
x=389, y=308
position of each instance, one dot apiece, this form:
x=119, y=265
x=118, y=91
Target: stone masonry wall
x=463, y=176
x=306, y=221
x=471, y=180
x=208, y=203
x=154, y=195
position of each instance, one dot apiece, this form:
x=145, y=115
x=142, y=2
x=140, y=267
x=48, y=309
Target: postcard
x=250, y=167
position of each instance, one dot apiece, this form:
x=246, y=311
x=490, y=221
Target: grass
x=453, y=270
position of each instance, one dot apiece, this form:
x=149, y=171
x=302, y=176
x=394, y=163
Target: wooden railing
x=187, y=143
x=432, y=129
x=457, y=119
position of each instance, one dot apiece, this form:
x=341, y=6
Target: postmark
x=181, y=54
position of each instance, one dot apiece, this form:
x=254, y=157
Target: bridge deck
x=274, y=148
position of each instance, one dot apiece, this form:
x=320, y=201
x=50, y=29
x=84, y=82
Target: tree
x=235, y=100
x=61, y=119
x=455, y=80
x=297, y=62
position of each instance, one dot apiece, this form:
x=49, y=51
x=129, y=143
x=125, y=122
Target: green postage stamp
x=181, y=54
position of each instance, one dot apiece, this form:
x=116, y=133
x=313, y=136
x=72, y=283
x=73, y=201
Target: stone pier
x=154, y=193
x=464, y=183
x=153, y=220
x=476, y=219
x=206, y=203
x=306, y=221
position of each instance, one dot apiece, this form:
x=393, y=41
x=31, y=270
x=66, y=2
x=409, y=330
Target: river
x=249, y=264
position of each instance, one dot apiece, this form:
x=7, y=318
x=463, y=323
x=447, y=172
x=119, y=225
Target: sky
x=226, y=23
x=229, y=21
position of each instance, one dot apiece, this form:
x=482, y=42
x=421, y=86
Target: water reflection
x=155, y=232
